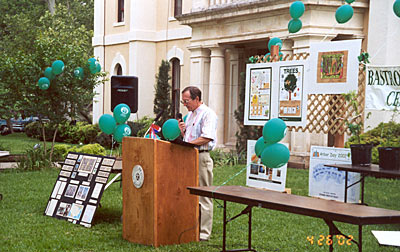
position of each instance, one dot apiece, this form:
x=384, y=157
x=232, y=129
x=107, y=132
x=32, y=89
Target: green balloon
x=275, y=41
x=260, y=146
x=96, y=68
x=344, y=13
x=170, y=129
x=294, y=25
x=57, y=67
x=79, y=73
x=48, y=73
x=297, y=9
x=349, y=1
x=275, y=155
x=121, y=113
x=92, y=63
x=122, y=131
x=268, y=57
x=44, y=83
x=107, y=123
x=396, y=8
x=274, y=130
x=184, y=118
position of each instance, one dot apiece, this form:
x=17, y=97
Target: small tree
x=162, y=99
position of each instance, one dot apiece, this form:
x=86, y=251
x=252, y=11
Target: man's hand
x=182, y=127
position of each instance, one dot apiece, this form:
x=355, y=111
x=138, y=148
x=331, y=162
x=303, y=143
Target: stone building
x=208, y=42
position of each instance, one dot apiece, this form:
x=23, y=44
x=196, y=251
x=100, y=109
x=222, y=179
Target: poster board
x=382, y=91
x=327, y=182
x=276, y=89
x=79, y=187
x=334, y=67
x=260, y=176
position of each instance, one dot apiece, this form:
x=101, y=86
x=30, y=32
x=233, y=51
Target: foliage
x=244, y=133
x=140, y=126
x=34, y=159
x=104, y=140
x=383, y=135
x=354, y=127
x=60, y=151
x=162, y=98
x=3, y=147
x=223, y=158
x=95, y=149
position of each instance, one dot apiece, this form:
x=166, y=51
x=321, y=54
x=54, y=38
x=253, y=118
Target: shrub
x=33, y=130
x=34, y=159
x=140, y=126
x=222, y=158
x=60, y=151
x=94, y=149
x=385, y=134
x=104, y=140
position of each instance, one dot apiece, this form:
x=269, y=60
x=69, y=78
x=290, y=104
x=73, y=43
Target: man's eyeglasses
x=185, y=101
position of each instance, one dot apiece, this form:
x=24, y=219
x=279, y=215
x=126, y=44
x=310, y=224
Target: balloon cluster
x=170, y=129
x=272, y=153
x=345, y=12
x=57, y=68
x=396, y=8
x=115, y=124
x=296, y=11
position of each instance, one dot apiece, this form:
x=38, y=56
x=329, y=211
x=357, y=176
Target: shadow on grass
x=107, y=215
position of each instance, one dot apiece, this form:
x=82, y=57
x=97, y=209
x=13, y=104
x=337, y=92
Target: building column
x=199, y=70
x=232, y=97
x=217, y=89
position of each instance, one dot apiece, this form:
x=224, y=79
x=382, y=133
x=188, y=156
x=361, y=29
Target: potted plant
x=389, y=152
x=360, y=152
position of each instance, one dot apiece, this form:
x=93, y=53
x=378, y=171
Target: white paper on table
x=389, y=238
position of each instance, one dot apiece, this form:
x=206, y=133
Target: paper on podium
x=389, y=238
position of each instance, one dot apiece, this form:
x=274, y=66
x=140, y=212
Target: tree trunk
x=52, y=5
x=53, y=142
x=44, y=137
x=10, y=125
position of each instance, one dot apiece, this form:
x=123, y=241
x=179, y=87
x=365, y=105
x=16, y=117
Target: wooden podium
x=161, y=211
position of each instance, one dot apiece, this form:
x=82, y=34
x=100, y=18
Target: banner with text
x=382, y=87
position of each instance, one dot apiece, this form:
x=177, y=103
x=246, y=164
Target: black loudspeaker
x=124, y=89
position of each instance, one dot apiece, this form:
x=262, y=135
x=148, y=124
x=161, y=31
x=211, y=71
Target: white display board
x=327, y=182
x=334, y=67
x=276, y=90
x=260, y=176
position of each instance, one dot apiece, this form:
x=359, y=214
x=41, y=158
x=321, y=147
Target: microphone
x=178, y=116
x=159, y=115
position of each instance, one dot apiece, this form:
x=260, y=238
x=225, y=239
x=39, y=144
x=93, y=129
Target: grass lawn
x=17, y=143
x=25, y=228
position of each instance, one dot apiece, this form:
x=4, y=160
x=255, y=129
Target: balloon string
x=235, y=175
x=330, y=31
x=112, y=145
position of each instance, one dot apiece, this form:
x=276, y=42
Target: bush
x=34, y=159
x=60, y=151
x=94, y=149
x=104, y=140
x=385, y=134
x=140, y=126
x=222, y=158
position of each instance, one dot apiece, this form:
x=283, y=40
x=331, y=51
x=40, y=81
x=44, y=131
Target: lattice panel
x=326, y=113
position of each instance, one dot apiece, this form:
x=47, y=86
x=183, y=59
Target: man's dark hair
x=194, y=92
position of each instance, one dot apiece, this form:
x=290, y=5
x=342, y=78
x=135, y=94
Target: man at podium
x=200, y=129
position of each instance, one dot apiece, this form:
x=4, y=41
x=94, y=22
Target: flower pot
x=389, y=158
x=361, y=154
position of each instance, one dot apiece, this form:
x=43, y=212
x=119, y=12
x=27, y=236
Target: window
x=120, y=11
x=177, y=7
x=176, y=84
x=118, y=69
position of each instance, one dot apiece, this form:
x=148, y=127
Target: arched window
x=118, y=70
x=177, y=7
x=176, y=84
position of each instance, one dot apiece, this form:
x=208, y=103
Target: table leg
x=249, y=231
x=359, y=238
x=224, y=230
x=345, y=187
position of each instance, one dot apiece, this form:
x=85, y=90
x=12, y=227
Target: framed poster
x=274, y=90
x=259, y=93
x=334, y=66
x=79, y=187
x=292, y=97
x=327, y=182
x=260, y=176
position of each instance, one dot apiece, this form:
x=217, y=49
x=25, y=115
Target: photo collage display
x=79, y=187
